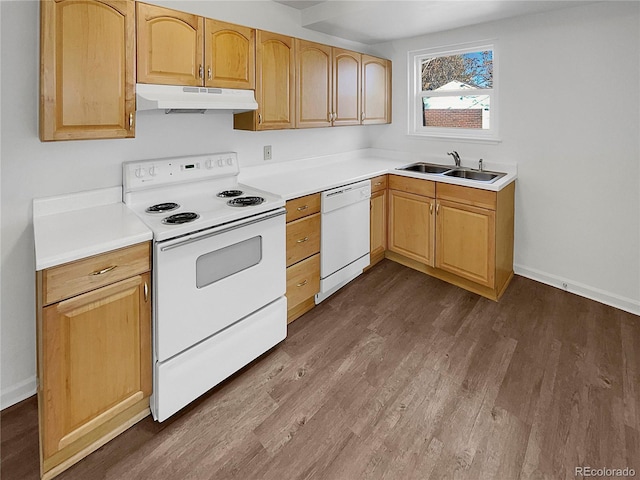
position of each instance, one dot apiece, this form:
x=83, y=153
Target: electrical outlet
x=267, y=152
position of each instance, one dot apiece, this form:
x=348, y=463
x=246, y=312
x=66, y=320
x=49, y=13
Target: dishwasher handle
x=340, y=197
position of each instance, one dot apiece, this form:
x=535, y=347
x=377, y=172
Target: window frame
x=416, y=94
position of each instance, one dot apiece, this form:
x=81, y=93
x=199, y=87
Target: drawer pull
x=304, y=207
x=104, y=270
x=302, y=240
x=302, y=284
x=146, y=292
x=377, y=184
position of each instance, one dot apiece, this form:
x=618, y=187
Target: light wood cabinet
x=378, y=219
x=275, y=88
x=87, y=69
x=178, y=48
x=411, y=223
x=459, y=234
x=94, y=353
x=303, y=254
x=328, y=87
x=314, y=84
x=376, y=90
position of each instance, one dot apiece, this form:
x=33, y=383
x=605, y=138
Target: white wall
x=32, y=169
x=569, y=115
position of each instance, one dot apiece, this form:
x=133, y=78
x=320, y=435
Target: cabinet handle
x=130, y=120
x=304, y=207
x=431, y=208
x=200, y=71
x=302, y=240
x=377, y=184
x=146, y=292
x=370, y=204
x=104, y=270
x=363, y=116
x=209, y=73
x=437, y=209
x=302, y=284
x=259, y=119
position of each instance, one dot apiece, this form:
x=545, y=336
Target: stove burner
x=230, y=193
x=179, y=218
x=245, y=201
x=162, y=207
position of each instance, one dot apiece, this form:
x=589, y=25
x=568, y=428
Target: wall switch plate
x=267, y=152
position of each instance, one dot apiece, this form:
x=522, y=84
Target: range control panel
x=143, y=174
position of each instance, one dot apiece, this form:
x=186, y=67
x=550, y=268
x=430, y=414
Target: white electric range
x=219, y=271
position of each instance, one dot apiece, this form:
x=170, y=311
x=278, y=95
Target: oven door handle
x=207, y=234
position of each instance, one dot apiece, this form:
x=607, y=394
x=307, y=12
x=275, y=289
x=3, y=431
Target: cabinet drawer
x=303, y=206
x=426, y=188
x=303, y=238
x=475, y=197
x=303, y=280
x=378, y=183
x=81, y=276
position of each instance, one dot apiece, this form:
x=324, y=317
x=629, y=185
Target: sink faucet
x=480, y=165
x=455, y=156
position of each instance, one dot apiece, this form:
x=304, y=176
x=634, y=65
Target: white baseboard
x=627, y=304
x=18, y=392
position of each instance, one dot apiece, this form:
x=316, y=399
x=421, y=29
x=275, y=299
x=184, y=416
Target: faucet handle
x=480, y=165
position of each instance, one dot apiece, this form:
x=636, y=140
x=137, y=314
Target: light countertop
x=75, y=226
x=303, y=177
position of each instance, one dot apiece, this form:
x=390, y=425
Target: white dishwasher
x=344, y=236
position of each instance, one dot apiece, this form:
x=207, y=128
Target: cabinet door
x=376, y=90
x=96, y=359
x=275, y=69
x=466, y=241
x=378, y=224
x=346, y=87
x=169, y=46
x=229, y=55
x=412, y=226
x=314, y=79
x=87, y=70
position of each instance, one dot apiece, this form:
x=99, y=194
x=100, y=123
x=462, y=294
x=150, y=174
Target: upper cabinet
x=87, y=69
x=376, y=90
x=328, y=87
x=275, y=73
x=229, y=55
x=169, y=46
x=177, y=48
x=314, y=84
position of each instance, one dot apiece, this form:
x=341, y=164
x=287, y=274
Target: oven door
x=206, y=281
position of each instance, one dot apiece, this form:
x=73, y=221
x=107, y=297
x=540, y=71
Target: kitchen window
x=453, y=92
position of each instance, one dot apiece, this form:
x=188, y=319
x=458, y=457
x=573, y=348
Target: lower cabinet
x=460, y=234
x=378, y=219
x=94, y=353
x=303, y=254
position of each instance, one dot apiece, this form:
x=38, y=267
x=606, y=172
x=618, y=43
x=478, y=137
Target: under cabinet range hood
x=177, y=99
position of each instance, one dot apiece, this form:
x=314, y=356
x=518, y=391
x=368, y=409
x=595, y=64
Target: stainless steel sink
x=425, y=168
x=474, y=175
x=456, y=172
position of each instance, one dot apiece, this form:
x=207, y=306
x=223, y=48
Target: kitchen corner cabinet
x=178, y=48
x=94, y=353
x=88, y=92
x=378, y=219
x=303, y=254
x=459, y=234
x=376, y=90
x=327, y=85
x=275, y=90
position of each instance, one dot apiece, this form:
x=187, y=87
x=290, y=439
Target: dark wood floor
x=399, y=376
